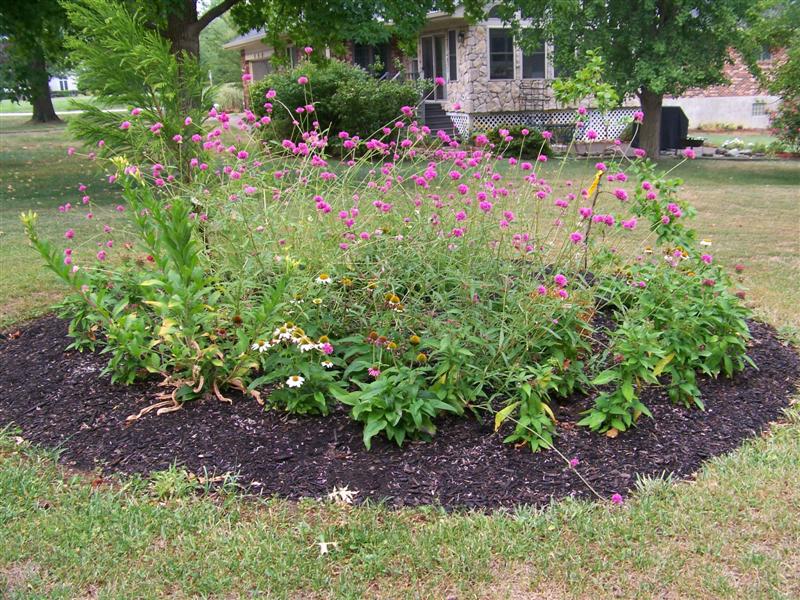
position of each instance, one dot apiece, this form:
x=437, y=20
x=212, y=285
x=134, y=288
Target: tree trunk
x=39, y=83
x=650, y=133
x=183, y=30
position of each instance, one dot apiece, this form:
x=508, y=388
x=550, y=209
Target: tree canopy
x=651, y=48
x=33, y=49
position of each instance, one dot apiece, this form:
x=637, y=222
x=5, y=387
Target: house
x=484, y=79
x=64, y=84
x=742, y=103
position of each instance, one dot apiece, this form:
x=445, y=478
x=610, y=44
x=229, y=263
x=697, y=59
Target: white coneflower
x=705, y=242
x=295, y=381
x=327, y=364
x=261, y=346
x=324, y=278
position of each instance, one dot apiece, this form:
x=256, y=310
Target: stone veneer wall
x=475, y=92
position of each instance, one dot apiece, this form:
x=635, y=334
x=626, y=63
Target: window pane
x=451, y=52
x=533, y=64
x=501, y=54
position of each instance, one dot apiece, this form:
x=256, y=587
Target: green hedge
x=345, y=98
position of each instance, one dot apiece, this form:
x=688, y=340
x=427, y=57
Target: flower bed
x=414, y=278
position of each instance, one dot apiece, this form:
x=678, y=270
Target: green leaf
x=605, y=377
x=627, y=391
x=372, y=429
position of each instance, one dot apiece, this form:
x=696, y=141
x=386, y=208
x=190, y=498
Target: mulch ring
x=59, y=399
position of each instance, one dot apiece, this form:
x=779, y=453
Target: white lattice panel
x=607, y=126
x=461, y=122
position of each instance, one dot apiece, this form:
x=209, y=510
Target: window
x=452, y=70
x=759, y=108
x=501, y=54
x=533, y=64
x=373, y=59
x=63, y=84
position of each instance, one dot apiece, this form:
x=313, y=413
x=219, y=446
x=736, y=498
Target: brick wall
x=742, y=82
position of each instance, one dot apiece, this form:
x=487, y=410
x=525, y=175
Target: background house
x=488, y=81
x=742, y=103
x=66, y=83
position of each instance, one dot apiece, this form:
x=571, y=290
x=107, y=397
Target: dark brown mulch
x=59, y=399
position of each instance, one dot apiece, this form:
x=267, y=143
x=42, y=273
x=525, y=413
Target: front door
x=433, y=64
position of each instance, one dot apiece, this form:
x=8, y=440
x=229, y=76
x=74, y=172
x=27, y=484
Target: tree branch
x=214, y=12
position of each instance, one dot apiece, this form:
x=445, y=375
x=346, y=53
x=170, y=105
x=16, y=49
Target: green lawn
x=60, y=104
x=731, y=533
x=748, y=136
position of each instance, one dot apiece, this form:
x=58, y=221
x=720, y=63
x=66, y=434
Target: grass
x=731, y=533
x=749, y=136
x=59, y=104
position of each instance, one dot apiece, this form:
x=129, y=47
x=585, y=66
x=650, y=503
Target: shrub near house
x=344, y=98
x=416, y=277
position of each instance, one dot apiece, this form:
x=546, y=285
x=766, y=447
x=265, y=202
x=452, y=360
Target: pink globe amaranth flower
x=560, y=280
x=541, y=290
x=112, y=178
x=178, y=138
x=689, y=153
x=738, y=267
x=585, y=212
x=601, y=166
x=101, y=143
x=647, y=186
x=546, y=134
x=665, y=219
x=485, y=206
x=344, y=246
x=249, y=190
x=576, y=237
x=542, y=158
x=187, y=121
x=640, y=153
x=308, y=49
x=247, y=77
x=374, y=372
x=581, y=110
x=270, y=94
x=563, y=294
x=302, y=80
x=457, y=232
x=438, y=80
x=651, y=196
x=621, y=194
x=707, y=258
x=70, y=151
x=629, y=224
x=709, y=282
x=196, y=138
x=617, y=499
x=461, y=215
x=457, y=106
x=638, y=116
x=69, y=234
x=125, y=125
x=591, y=134
x=135, y=112
x=574, y=462
x=101, y=255
x=120, y=208
x=327, y=348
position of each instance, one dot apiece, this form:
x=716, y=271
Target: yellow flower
x=422, y=357
x=414, y=340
